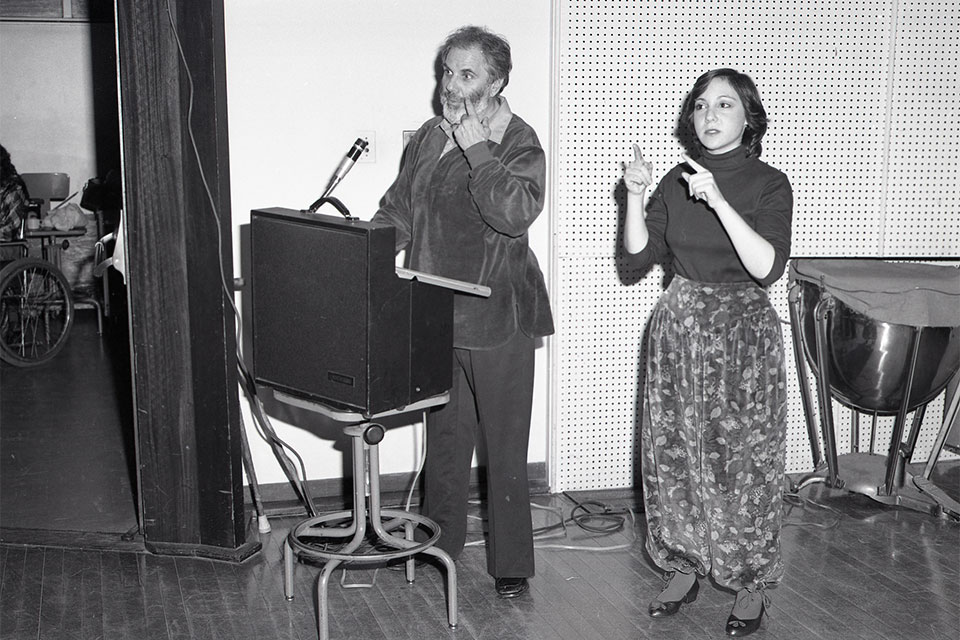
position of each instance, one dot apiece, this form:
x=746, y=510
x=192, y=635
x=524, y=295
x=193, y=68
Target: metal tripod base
x=860, y=472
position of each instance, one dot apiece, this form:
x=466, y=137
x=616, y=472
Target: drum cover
x=907, y=293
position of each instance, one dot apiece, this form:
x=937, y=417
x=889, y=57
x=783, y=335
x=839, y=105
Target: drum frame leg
x=897, y=454
x=805, y=394
x=855, y=431
x=922, y=482
x=952, y=407
x=821, y=316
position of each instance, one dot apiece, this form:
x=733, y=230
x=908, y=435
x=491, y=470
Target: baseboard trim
x=238, y=554
x=85, y=540
x=279, y=498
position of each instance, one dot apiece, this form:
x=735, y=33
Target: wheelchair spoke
x=36, y=312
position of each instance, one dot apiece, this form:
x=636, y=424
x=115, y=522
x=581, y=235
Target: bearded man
x=470, y=185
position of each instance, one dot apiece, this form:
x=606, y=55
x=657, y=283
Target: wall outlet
x=370, y=153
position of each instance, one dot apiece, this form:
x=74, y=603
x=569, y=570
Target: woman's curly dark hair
x=749, y=96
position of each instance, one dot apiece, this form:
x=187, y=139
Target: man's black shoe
x=511, y=587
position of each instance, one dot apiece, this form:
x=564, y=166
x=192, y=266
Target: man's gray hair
x=495, y=50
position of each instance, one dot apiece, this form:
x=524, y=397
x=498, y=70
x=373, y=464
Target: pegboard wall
x=861, y=99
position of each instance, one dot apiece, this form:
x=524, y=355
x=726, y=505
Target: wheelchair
x=37, y=303
x=36, y=308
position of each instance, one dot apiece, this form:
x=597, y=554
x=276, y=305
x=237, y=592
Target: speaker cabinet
x=333, y=323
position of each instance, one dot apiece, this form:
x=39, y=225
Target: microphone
x=345, y=165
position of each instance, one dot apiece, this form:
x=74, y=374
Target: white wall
x=47, y=104
x=856, y=93
x=303, y=78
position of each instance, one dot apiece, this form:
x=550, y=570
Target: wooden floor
x=880, y=573
x=66, y=436
x=855, y=569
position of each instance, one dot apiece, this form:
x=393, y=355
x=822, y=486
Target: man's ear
x=496, y=86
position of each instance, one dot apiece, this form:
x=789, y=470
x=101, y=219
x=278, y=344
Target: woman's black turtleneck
x=687, y=233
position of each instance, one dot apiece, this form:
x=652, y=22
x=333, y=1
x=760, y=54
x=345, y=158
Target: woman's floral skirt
x=714, y=433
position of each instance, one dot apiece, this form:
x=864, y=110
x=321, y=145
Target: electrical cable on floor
x=607, y=521
x=792, y=499
x=358, y=585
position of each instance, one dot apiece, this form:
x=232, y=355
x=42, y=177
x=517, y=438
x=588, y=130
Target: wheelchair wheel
x=36, y=312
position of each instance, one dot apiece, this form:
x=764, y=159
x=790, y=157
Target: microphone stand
x=345, y=165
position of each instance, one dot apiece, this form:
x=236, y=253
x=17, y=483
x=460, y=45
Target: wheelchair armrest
x=21, y=244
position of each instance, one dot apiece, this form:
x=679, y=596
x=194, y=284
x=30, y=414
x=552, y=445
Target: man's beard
x=454, y=108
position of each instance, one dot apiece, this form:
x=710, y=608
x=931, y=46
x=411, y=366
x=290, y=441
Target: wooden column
x=173, y=117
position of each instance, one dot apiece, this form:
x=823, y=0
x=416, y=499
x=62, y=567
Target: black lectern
x=332, y=321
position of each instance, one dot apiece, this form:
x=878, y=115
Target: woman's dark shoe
x=747, y=612
x=660, y=608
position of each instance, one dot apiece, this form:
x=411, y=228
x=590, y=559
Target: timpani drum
x=883, y=339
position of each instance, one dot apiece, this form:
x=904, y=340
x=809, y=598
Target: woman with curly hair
x=715, y=401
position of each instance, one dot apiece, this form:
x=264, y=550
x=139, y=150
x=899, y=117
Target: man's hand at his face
x=472, y=128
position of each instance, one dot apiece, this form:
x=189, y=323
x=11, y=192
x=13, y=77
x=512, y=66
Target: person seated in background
x=14, y=202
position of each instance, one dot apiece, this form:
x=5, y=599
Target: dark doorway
x=67, y=453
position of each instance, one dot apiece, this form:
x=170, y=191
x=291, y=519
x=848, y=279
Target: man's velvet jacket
x=465, y=215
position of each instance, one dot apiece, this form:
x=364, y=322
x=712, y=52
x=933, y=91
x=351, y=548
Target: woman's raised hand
x=637, y=175
x=701, y=184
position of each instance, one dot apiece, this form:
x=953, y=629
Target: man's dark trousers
x=491, y=400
